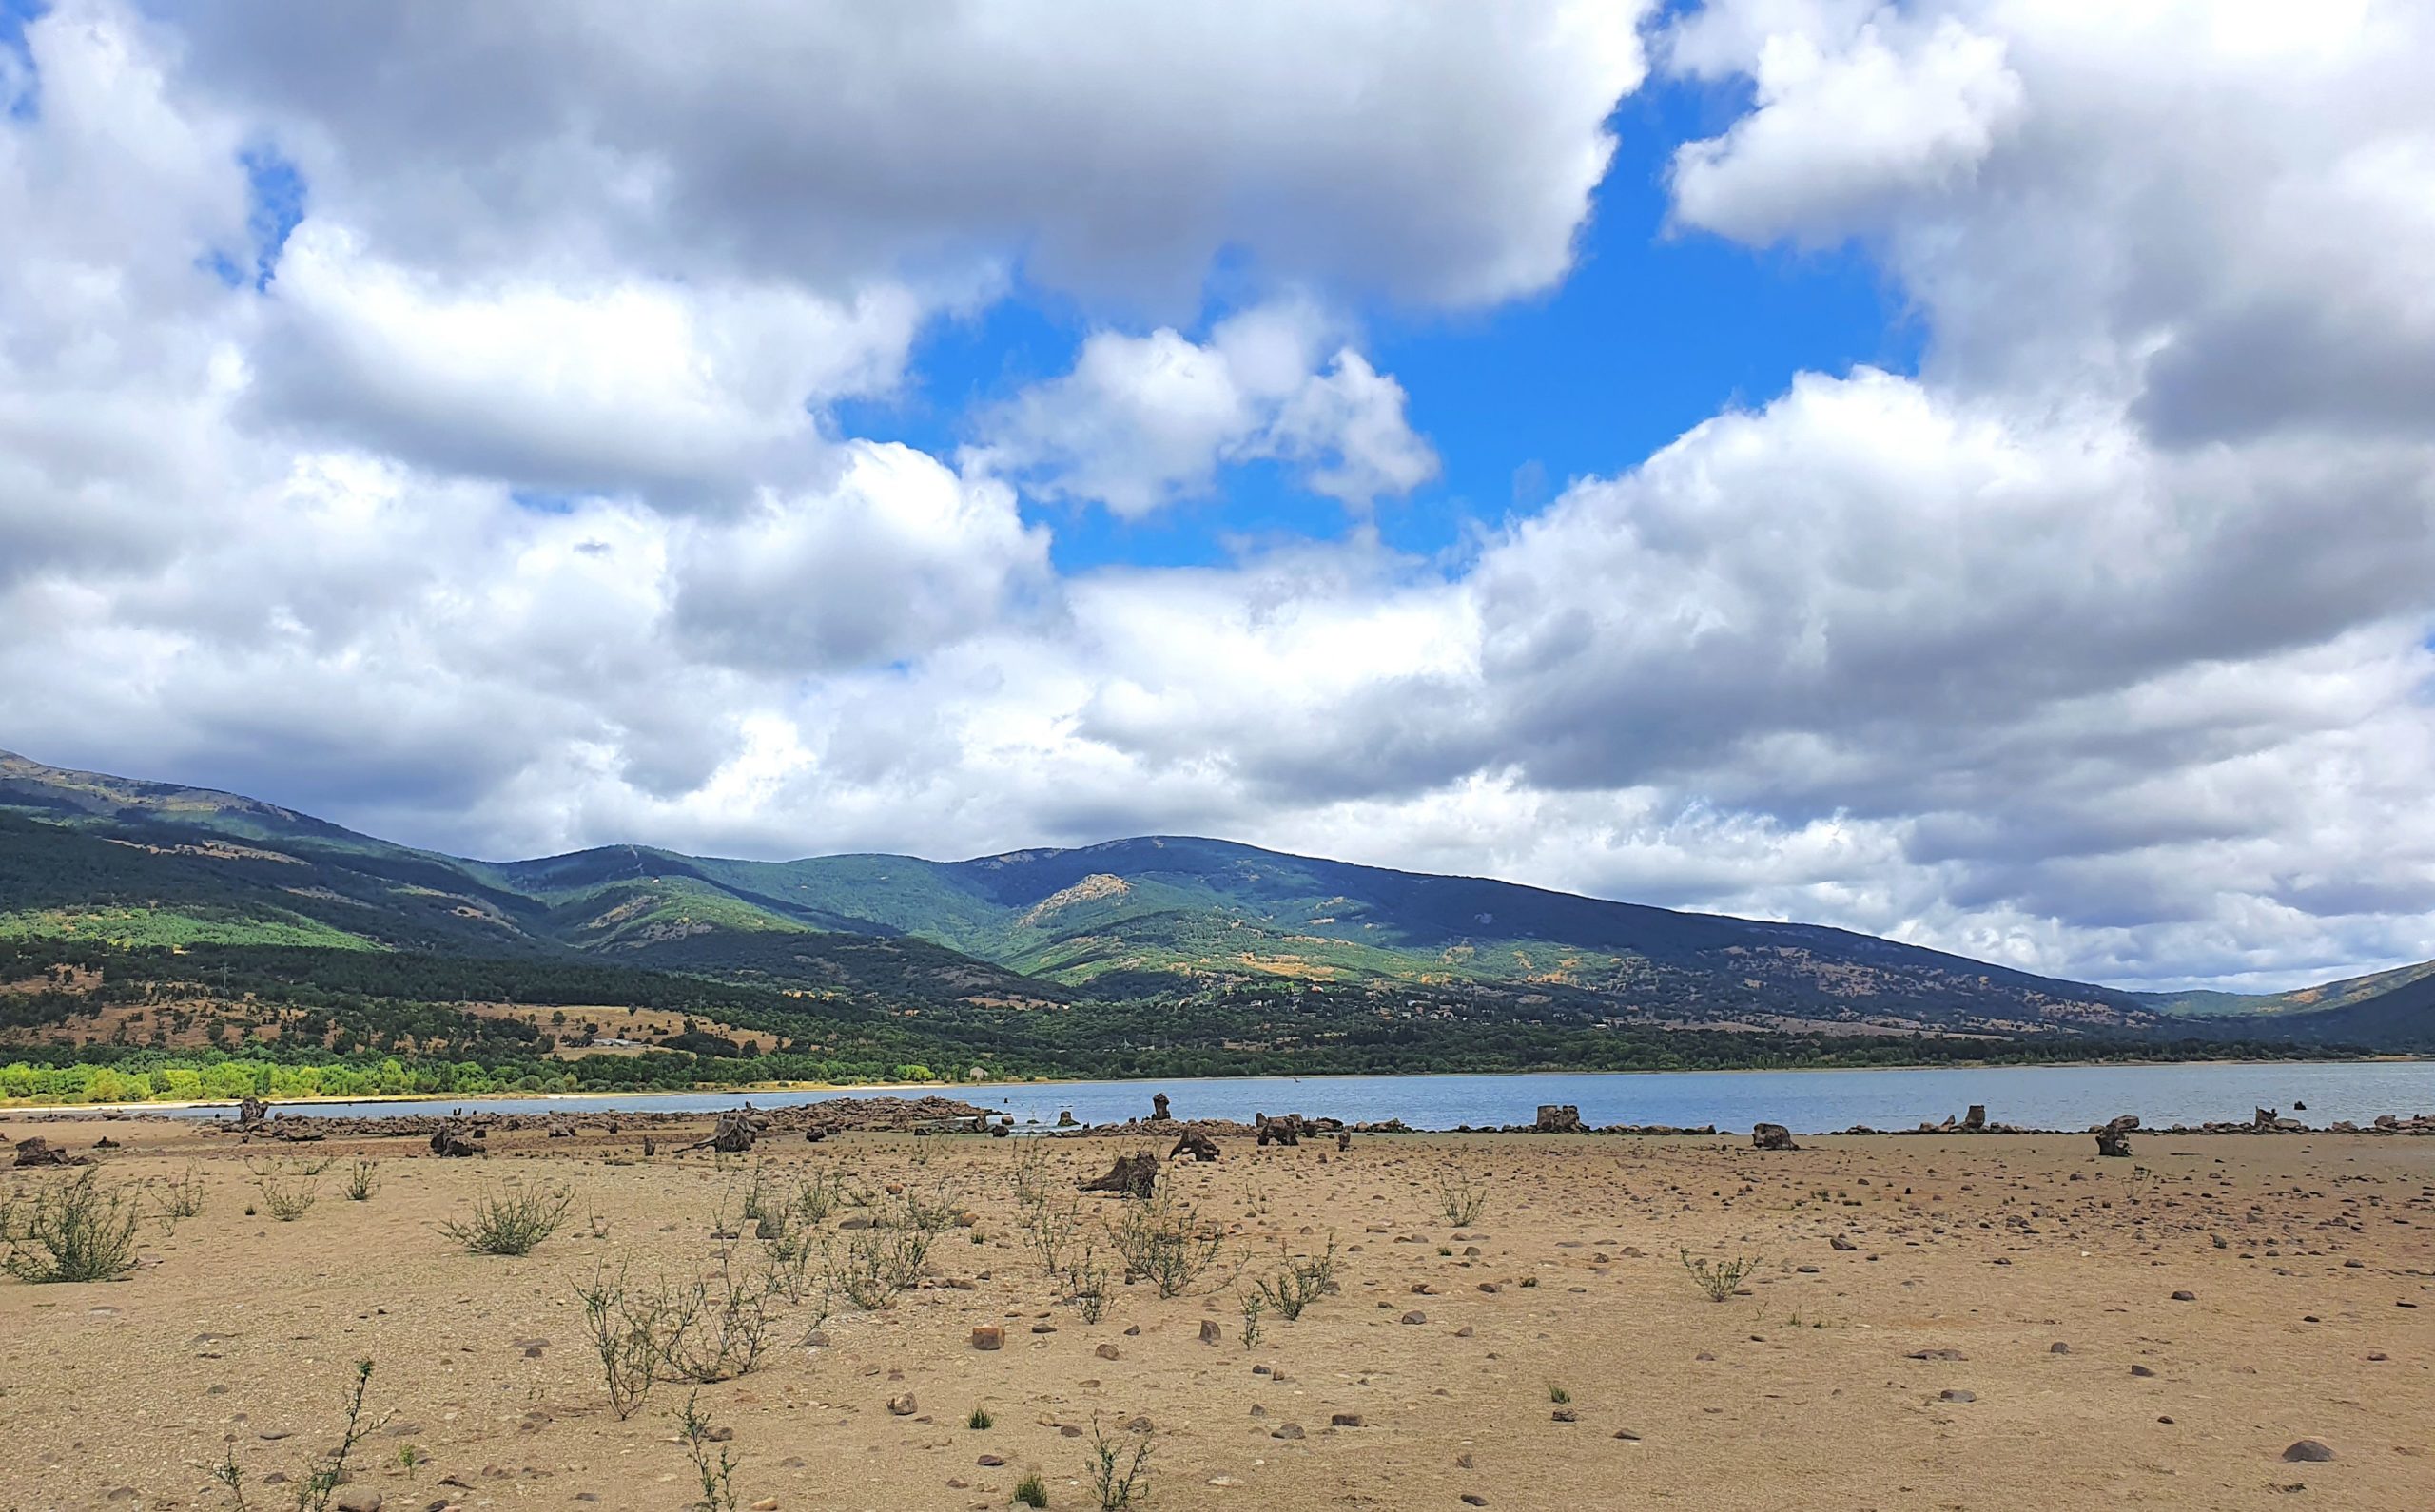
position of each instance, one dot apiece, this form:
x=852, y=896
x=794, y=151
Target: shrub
x=288, y=1189
x=716, y=1476
x=1118, y=1479
x=1300, y=1281
x=182, y=1194
x=981, y=1422
x=1164, y=1242
x=362, y=1180
x=1462, y=1197
x=1030, y=1491
x=511, y=1224
x=80, y=1229
x=314, y=1491
x=1720, y=1279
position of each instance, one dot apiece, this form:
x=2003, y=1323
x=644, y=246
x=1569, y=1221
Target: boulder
x=1771, y=1136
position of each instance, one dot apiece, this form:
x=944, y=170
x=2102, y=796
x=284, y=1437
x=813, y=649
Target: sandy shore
x=2314, y=1317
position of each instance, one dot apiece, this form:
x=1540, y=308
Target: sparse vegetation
x=288, y=1189
x=316, y=1488
x=979, y=1421
x=1165, y=1242
x=1119, y=1479
x=511, y=1223
x=1718, y=1279
x=362, y=1180
x=81, y=1229
x=182, y=1194
x=716, y=1476
x=1461, y=1197
x=1299, y=1281
x=1031, y=1491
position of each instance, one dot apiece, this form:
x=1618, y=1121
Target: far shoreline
x=950, y=1088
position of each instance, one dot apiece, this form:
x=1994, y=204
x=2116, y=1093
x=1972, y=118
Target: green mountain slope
x=147, y=864
x=2301, y=1000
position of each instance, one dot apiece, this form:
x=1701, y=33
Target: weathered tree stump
x=250, y=1112
x=1558, y=1117
x=1132, y=1176
x=1196, y=1144
x=733, y=1133
x=2114, y=1139
x=1974, y=1122
x=1771, y=1136
x=1159, y=1109
x=1344, y=1138
x=1065, y=1118
x=451, y=1141
x=2264, y=1117
x=41, y=1152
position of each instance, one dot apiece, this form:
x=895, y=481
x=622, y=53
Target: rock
x=1209, y=1332
x=1414, y=1316
x=1771, y=1136
x=2185, y=1296
x=990, y=1462
x=989, y=1336
x=1158, y=1108
x=903, y=1407
x=1565, y=1415
x=1106, y=1351
x=361, y=1501
x=1936, y=1354
x=1345, y=1420
x=2058, y=1348
x=41, y=1152
x=2308, y=1451
x=1286, y=1430
x=1956, y=1395
x=1839, y=1242
x=2141, y=1371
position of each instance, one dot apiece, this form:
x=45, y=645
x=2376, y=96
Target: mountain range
x=125, y=864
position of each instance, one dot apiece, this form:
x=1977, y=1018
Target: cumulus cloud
x=2097, y=646
x=1144, y=421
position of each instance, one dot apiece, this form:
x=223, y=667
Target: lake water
x=1805, y=1102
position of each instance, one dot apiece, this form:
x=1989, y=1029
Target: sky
x=1961, y=470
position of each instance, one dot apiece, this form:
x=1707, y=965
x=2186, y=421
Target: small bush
x=182, y=1194
x=1253, y=1305
x=288, y=1189
x=981, y=1422
x=1719, y=1279
x=1462, y=1197
x=1031, y=1492
x=511, y=1224
x=314, y=1491
x=362, y=1180
x=80, y=1229
x=1164, y=1242
x=716, y=1476
x=1299, y=1281
x=1086, y=1283
x=1558, y=1394
x=1119, y=1479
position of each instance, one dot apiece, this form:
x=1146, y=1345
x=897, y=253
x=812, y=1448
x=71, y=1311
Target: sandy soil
x=2314, y=1317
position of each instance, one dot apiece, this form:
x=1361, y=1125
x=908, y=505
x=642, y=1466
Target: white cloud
x=1145, y=421
x=594, y=387
x=2099, y=646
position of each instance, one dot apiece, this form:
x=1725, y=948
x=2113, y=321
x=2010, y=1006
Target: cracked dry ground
x=2002, y=1332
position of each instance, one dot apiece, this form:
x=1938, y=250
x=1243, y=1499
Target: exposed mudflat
x=1918, y=1368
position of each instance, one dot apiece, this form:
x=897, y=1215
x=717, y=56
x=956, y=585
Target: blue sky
x=1654, y=330
x=2002, y=524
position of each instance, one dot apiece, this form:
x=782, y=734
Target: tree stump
x=1159, y=1109
x=2113, y=1139
x=450, y=1141
x=1771, y=1136
x=1196, y=1144
x=1132, y=1176
x=1558, y=1117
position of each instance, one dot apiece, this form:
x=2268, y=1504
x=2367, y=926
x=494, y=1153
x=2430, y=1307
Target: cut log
x=1132, y=1176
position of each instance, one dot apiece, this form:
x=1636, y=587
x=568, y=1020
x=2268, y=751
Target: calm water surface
x=1805, y=1102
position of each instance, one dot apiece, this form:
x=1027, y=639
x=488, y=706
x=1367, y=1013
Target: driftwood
x=1132, y=1176
x=1196, y=1144
x=1771, y=1136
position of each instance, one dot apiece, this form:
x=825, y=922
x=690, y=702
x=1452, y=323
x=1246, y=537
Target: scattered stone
x=1209, y=1332
x=902, y=1406
x=989, y=1336
x=2308, y=1451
